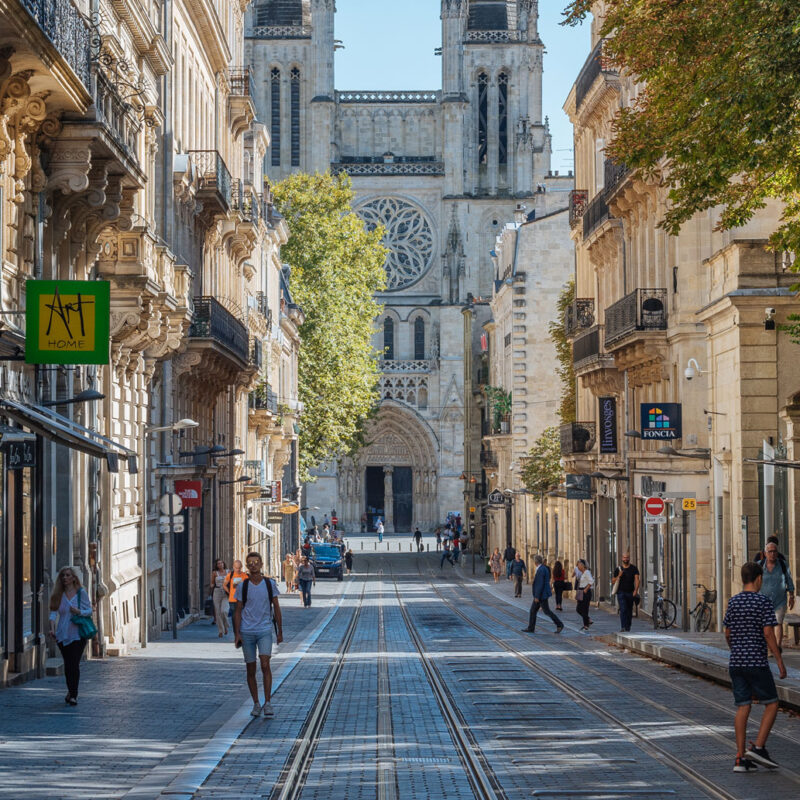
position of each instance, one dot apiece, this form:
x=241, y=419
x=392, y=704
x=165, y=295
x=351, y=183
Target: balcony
x=578, y=200
x=595, y=215
x=241, y=103
x=641, y=310
x=117, y=116
x=213, y=322
x=65, y=27
x=264, y=399
x=593, y=68
x=577, y=437
x=214, y=186
x=256, y=354
x=255, y=469
x=615, y=174
x=488, y=458
x=246, y=201
x=579, y=316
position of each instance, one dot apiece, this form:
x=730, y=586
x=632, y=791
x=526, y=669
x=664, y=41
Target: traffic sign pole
x=174, y=576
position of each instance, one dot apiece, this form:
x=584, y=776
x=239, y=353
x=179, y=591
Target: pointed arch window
x=388, y=339
x=295, y=115
x=419, y=339
x=502, y=115
x=483, y=117
x=275, y=115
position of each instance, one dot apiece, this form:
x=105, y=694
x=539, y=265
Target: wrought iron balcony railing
x=593, y=67
x=241, y=81
x=211, y=320
x=212, y=174
x=614, y=173
x=264, y=400
x=586, y=346
x=256, y=353
x=596, y=214
x=246, y=201
x=577, y=437
x=66, y=28
x=117, y=115
x=578, y=200
x=641, y=310
x=579, y=315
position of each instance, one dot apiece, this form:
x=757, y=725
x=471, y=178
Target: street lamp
x=700, y=452
x=86, y=396
x=179, y=425
x=242, y=479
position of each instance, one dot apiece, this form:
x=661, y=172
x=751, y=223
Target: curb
x=788, y=695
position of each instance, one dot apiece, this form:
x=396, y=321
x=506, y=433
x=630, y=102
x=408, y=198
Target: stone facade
x=442, y=169
x=111, y=168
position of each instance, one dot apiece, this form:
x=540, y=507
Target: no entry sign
x=654, y=506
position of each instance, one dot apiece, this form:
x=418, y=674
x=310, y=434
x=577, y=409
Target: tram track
x=656, y=751
x=695, y=696
x=292, y=779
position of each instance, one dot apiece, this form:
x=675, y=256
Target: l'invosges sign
x=607, y=434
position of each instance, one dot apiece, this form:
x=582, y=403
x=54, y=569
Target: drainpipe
x=719, y=478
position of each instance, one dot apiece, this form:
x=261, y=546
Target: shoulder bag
x=85, y=625
x=615, y=582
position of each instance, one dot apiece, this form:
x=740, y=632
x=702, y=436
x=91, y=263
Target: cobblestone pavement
x=540, y=709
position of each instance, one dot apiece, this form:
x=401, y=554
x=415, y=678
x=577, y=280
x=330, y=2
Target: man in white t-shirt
x=256, y=606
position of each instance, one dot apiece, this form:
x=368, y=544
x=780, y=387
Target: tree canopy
x=565, y=368
x=542, y=468
x=718, y=113
x=337, y=267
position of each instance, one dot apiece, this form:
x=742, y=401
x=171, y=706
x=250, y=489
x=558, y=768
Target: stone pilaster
x=388, y=499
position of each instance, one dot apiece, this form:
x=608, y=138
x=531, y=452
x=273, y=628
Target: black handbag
x=564, y=586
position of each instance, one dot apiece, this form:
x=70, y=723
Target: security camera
x=769, y=319
x=692, y=369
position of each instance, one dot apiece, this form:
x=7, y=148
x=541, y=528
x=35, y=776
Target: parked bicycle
x=702, y=611
x=664, y=611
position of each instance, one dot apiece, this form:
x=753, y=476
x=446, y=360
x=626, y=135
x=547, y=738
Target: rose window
x=409, y=238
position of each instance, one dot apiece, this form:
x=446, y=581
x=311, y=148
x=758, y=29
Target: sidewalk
x=703, y=654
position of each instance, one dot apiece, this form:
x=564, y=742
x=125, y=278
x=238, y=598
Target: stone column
x=493, y=119
x=790, y=414
x=388, y=500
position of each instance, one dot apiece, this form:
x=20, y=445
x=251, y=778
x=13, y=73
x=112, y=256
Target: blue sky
x=389, y=45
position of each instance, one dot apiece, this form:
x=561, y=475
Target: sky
x=389, y=45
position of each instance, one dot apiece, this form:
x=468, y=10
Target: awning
x=259, y=527
x=63, y=430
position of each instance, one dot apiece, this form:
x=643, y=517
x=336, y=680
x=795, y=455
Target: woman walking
x=69, y=599
x=220, y=596
x=305, y=577
x=496, y=563
x=583, y=593
x=235, y=577
x=348, y=561
x=559, y=579
x=288, y=573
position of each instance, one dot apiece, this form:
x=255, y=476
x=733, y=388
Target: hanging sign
x=579, y=487
x=496, y=498
x=608, y=424
x=20, y=455
x=190, y=492
x=661, y=420
x=67, y=322
x=272, y=492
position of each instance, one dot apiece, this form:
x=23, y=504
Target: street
x=401, y=681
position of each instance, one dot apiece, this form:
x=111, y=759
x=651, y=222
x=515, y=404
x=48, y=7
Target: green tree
x=565, y=370
x=542, y=468
x=337, y=267
x=718, y=114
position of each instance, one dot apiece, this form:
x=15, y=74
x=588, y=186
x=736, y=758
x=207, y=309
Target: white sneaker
x=267, y=710
x=256, y=712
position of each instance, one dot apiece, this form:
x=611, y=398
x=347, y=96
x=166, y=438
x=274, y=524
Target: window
x=502, y=113
x=275, y=115
x=483, y=117
x=419, y=338
x=388, y=339
x=295, y=116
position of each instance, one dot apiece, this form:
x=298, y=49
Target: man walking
x=541, y=596
x=446, y=554
x=750, y=629
x=627, y=579
x=256, y=605
x=418, y=538
x=518, y=572
x=508, y=558
x=456, y=545
x=777, y=582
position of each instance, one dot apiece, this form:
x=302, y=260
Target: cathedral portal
x=394, y=477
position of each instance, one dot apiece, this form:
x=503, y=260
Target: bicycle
x=702, y=611
x=664, y=611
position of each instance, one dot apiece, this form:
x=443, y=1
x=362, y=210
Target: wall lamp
x=633, y=434
x=180, y=425
x=86, y=396
x=699, y=452
x=242, y=479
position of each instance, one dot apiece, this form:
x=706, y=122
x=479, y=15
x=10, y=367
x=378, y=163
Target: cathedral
x=442, y=170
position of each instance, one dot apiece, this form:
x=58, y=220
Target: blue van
x=327, y=560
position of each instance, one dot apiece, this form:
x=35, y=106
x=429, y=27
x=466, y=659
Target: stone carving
x=409, y=237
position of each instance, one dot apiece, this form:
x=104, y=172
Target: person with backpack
x=418, y=539
x=305, y=577
x=776, y=584
x=257, y=611
x=69, y=602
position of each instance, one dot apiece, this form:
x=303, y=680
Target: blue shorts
x=256, y=641
x=753, y=682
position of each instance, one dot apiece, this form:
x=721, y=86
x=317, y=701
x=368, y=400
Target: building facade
x=129, y=153
x=441, y=170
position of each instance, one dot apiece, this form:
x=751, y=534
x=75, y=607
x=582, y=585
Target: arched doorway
x=395, y=476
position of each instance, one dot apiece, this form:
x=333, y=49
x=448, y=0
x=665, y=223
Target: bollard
x=398, y=547
x=410, y=549
x=387, y=547
x=362, y=545
x=376, y=545
x=428, y=546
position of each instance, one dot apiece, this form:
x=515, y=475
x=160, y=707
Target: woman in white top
x=220, y=596
x=584, y=587
x=69, y=599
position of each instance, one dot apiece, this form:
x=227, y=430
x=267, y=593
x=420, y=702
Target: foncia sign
x=661, y=420
x=67, y=322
